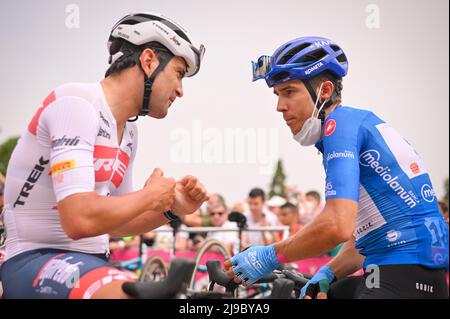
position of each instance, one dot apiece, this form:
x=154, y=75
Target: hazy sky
x=225, y=130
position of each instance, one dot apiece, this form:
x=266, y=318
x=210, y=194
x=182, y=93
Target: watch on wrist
x=171, y=216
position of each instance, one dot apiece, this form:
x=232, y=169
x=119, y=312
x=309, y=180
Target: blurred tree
x=277, y=187
x=6, y=150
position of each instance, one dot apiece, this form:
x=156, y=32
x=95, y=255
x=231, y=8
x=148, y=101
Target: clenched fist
x=190, y=194
x=161, y=191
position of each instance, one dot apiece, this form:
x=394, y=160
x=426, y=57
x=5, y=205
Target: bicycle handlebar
x=180, y=272
x=179, y=275
x=284, y=281
x=220, y=277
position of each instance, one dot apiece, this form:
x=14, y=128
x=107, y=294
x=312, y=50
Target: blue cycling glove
x=254, y=263
x=320, y=282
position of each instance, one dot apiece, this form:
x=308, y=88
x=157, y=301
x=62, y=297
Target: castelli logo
x=330, y=127
x=414, y=168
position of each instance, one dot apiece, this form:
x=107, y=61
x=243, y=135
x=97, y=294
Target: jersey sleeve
x=69, y=128
x=341, y=145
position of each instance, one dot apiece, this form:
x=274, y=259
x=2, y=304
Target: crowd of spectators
x=294, y=211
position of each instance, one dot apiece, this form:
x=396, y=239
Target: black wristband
x=171, y=216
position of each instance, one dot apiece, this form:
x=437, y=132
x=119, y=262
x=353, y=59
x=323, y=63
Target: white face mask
x=311, y=129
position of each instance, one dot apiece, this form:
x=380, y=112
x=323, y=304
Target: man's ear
x=327, y=91
x=149, y=61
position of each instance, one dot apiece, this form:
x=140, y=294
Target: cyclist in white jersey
x=69, y=180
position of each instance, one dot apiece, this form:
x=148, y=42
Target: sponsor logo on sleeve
x=344, y=154
x=329, y=191
x=65, y=141
x=62, y=166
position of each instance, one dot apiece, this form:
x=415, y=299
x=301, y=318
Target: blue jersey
x=398, y=219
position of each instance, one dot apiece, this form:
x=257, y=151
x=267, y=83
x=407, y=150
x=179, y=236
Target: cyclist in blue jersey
x=379, y=197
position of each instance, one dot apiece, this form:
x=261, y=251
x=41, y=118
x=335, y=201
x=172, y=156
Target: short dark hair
x=290, y=206
x=328, y=76
x=257, y=192
x=131, y=54
x=315, y=195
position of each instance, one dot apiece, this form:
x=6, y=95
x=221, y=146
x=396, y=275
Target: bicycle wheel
x=211, y=249
x=154, y=269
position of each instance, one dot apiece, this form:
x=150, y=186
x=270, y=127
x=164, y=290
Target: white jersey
x=70, y=146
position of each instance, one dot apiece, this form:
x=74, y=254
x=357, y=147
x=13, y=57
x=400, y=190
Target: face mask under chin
x=311, y=130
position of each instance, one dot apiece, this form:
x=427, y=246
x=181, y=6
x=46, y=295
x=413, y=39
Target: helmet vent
x=342, y=58
x=293, y=52
x=335, y=47
x=312, y=56
x=275, y=57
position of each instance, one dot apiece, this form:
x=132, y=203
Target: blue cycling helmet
x=302, y=58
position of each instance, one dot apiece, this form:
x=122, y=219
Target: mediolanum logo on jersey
x=344, y=154
x=372, y=159
x=428, y=193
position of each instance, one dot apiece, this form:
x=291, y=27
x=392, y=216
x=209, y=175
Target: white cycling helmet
x=138, y=29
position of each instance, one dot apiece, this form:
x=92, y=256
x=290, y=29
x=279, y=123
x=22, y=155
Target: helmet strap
x=148, y=83
x=313, y=95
